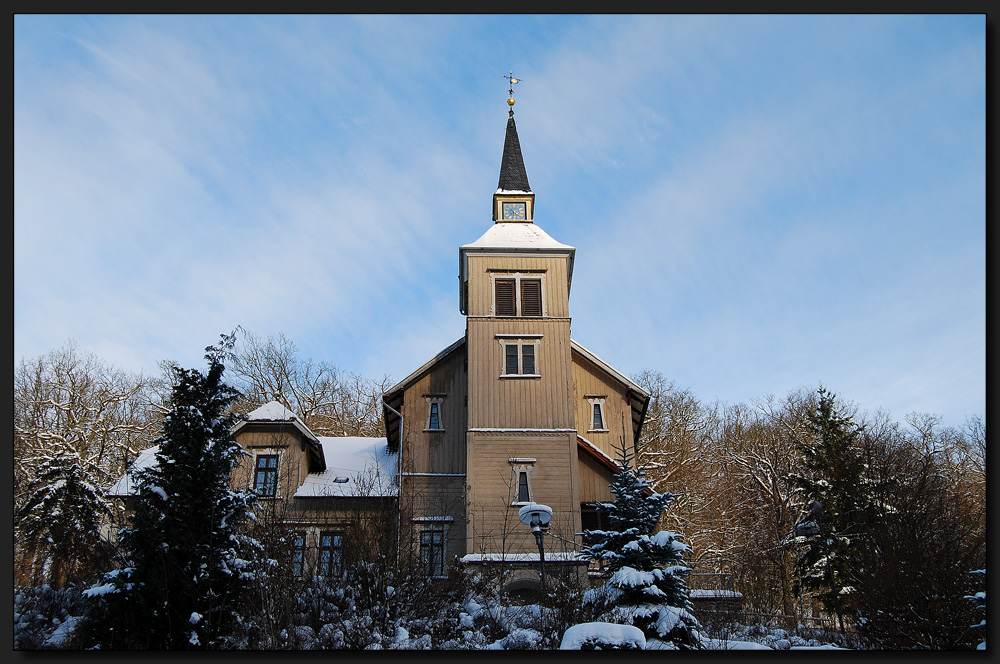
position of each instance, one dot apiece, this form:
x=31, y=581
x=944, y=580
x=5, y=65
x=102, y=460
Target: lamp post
x=537, y=517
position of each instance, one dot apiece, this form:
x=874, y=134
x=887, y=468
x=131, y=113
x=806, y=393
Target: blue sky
x=759, y=202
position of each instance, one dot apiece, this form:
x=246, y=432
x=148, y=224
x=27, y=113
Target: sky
x=759, y=203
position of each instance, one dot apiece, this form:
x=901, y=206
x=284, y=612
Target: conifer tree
x=186, y=554
x=831, y=529
x=60, y=521
x=646, y=584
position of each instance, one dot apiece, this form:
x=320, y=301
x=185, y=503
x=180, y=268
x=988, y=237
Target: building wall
x=434, y=462
x=493, y=512
x=590, y=380
x=555, y=286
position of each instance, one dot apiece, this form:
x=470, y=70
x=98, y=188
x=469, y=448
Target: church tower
x=515, y=411
x=522, y=438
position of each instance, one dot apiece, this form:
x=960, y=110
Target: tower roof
x=513, y=177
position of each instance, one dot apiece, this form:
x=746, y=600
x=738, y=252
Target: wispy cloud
x=758, y=202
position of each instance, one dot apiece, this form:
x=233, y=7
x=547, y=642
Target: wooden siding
x=555, y=287
x=273, y=439
x=590, y=380
x=595, y=480
x=436, y=451
x=432, y=497
x=494, y=525
x=530, y=403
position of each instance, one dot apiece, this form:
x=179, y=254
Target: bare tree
x=330, y=401
x=71, y=405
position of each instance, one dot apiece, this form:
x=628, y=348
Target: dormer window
x=265, y=481
x=516, y=295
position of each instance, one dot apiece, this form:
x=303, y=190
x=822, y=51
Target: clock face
x=514, y=211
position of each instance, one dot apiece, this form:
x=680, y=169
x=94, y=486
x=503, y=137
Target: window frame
x=297, y=552
x=334, y=564
x=522, y=468
x=273, y=472
x=432, y=565
x=518, y=278
x=520, y=342
x=598, y=402
x=434, y=401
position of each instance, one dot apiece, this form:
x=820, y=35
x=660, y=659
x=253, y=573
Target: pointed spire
x=513, y=177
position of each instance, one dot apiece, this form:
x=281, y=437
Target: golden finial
x=510, y=90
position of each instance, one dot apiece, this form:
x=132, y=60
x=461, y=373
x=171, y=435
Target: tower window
x=520, y=357
x=523, y=495
x=517, y=296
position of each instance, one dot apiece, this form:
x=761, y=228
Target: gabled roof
x=638, y=397
x=275, y=413
x=392, y=400
x=513, y=177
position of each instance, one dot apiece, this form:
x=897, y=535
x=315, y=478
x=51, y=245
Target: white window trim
x=439, y=400
x=520, y=341
x=598, y=401
x=517, y=276
x=522, y=465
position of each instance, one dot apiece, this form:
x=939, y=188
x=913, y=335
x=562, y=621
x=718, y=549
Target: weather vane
x=510, y=90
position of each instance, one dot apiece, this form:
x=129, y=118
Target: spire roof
x=513, y=177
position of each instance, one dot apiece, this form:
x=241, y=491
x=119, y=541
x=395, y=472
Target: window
x=598, y=421
x=331, y=553
x=265, y=481
x=521, y=469
x=432, y=552
x=520, y=357
x=297, y=552
x=517, y=296
x=523, y=494
x=434, y=421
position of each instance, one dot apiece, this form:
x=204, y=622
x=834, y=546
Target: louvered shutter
x=505, y=297
x=531, y=297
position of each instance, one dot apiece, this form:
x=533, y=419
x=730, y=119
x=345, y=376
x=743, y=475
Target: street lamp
x=536, y=516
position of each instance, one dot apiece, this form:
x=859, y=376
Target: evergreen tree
x=646, y=584
x=185, y=550
x=831, y=529
x=60, y=521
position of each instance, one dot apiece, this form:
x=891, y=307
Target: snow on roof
x=596, y=451
x=571, y=556
x=355, y=466
x=273, y=411
x=125, y=486
x=516, y=235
